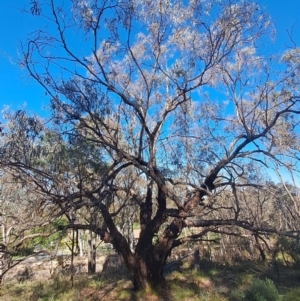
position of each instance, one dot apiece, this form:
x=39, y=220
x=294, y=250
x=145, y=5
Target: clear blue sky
x=17, y=90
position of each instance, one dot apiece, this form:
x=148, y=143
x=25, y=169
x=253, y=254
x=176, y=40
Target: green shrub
x=290, y=248
x=261, y=290
x=23, y=251
x=237, y=295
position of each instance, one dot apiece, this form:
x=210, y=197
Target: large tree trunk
x=150, y=259
x=151, y=256
x=146, y=277
x=147, y=262
x=148, y=270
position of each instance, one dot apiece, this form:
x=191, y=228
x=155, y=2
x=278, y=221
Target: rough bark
x=150, y=255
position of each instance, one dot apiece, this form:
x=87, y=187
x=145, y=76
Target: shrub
x=290, y=248
x=23, y=251
x=237, y=295
x=261, y=290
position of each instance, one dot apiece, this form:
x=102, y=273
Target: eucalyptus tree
x=52, y=165
x=23, y=221
x=181, y=94
x=26, y=213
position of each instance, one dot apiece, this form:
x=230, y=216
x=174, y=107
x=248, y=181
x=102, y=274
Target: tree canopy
x=173, y=108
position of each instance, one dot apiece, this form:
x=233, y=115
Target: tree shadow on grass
x=178, y=285
x=192, y=279
x=114, y=268
x=200, y=279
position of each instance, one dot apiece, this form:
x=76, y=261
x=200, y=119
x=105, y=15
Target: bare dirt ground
x=42, y=279
x=42, y=268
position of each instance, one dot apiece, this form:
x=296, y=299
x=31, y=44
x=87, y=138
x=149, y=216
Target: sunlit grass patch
x=150, y=294
x=124, y=295
x=293, y=294
x=213, y=272
x=13, y=292
x=243, y=279
x=194, y=291
x=213, y=282
x=192, y=284
x=56, y=289
x=180, y=291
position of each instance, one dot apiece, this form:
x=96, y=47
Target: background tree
x=183, y=97
x=24, y=222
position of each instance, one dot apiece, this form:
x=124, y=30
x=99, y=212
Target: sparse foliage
x=171, y=107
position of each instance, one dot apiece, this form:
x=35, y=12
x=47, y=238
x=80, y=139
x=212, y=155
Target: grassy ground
x=190, y=281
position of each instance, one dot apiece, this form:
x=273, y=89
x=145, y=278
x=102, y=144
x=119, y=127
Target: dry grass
x=201, y=281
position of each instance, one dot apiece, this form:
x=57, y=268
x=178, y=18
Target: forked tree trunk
x=260, y=249
x=151, y=256
x=147, y=262
x=150, y=261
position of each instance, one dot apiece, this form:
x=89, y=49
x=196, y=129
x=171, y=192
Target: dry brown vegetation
x=191, y=279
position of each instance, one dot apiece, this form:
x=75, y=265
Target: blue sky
x=17, y=90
